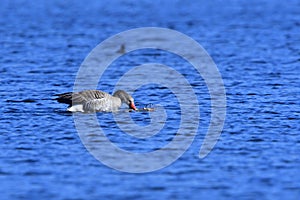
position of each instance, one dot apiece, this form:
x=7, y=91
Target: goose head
x=125, y=98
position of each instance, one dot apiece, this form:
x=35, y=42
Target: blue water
x=256, y=46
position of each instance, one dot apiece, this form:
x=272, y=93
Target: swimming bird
x=95, y=100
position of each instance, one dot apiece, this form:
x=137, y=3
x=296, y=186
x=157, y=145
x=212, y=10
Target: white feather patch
x=76, y=108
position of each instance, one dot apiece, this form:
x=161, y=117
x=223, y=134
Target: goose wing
x=83, y=97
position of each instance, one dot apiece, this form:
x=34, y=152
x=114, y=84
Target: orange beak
x=132, y=106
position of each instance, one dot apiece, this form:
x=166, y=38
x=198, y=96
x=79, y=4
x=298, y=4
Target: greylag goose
x=95, y=100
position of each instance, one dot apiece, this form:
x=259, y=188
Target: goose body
x=95, y=100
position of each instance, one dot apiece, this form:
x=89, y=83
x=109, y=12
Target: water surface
x=256, y=47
